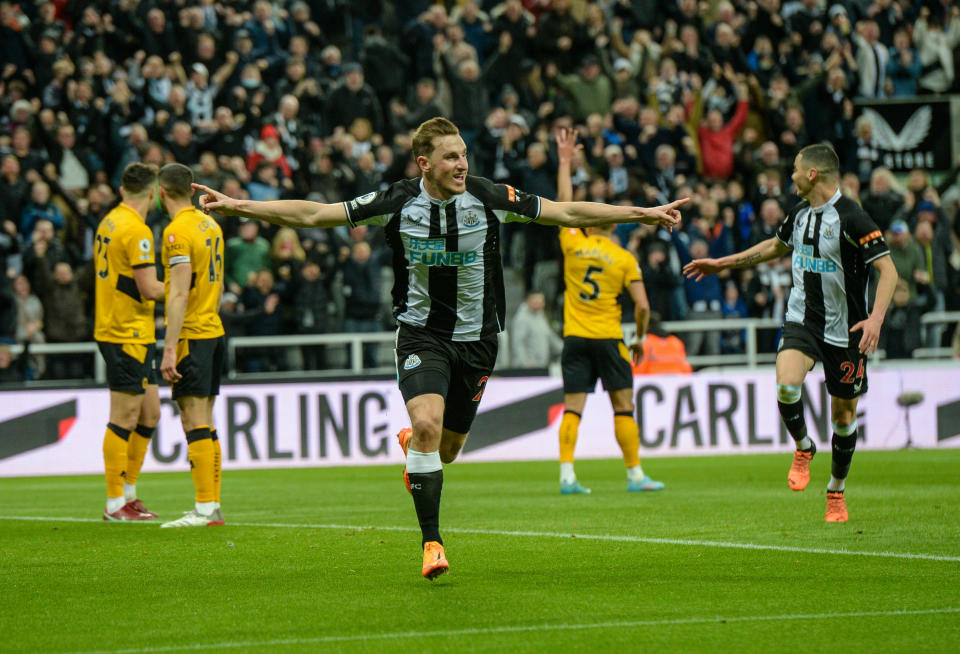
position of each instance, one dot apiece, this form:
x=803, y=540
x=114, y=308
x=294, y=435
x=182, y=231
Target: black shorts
x=457, y=370
x=585, y=359
x=845, y=368
x=199, y=361
x=131, y=367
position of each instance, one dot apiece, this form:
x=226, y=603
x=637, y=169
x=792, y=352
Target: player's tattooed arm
x=747, y=260
x=771, y=248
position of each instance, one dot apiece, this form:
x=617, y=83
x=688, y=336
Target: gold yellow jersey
x=123, y=242
x=193, y=238
x=595, y=271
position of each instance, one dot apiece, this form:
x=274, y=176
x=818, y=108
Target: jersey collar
x=442, y=203
x=831, y=201
x=188, y=209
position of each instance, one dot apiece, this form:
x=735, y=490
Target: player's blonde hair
x=423, y=138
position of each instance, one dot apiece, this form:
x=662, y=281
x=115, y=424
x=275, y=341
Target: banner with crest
x=915, y=133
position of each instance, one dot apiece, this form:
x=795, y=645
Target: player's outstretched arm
x=566, y=148
x=772, y=248
x=885, y=287
x=591, y=214
x=288, y=213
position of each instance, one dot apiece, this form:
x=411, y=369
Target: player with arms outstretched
x=448, y=294
x=194, y=346
x=834, y=243
x=125, y=290
x=596, y=271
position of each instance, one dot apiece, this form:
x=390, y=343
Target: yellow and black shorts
x=585, y=359
x=199, y=362
x=131, y=367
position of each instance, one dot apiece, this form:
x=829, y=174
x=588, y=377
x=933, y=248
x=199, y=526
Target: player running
x=125, y=288
x=833, y=242
x=194, y=346
x=444, y=229
x=595, y=272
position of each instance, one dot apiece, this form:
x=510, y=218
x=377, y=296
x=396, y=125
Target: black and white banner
x=354, y=423
x=915, y=133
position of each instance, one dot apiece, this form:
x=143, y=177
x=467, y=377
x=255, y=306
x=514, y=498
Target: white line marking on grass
x=506, y=629
x=547, y=534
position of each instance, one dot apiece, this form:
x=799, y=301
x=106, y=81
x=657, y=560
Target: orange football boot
x=836, y=507
x=404, y=436
x=434, y=560
x=799, y=475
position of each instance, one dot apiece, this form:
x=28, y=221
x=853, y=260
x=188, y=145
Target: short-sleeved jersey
x=833, y=245
x=595, y=271
x=448, y=277
x=123, y=242
x=194, y=239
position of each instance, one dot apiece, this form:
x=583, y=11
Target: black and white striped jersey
x=448, y=276
x=833, y=245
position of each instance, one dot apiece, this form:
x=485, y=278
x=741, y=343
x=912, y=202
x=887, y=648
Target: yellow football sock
x=115, y=458
x=568, y=435
x=628, y=436
x=217, y=460
x=200, y=451
x=136, y=450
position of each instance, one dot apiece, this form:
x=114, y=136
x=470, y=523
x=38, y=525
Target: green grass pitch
x=726, y=559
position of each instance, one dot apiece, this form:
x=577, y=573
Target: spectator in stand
x=771, y=215
x=590, y=91
x=286, y=255
x=65, y=318
x=265, y=185
x=361, y=289
x=29, y=312
x=903, y=68
x=353, y=98
x=245, y=255
x=40, y=208
x=766, y=297
x=261, y=303
x=533, y=342
x=311, y=310
x=268, y=149
x=704, y=301
x=717, y=137
x=936, y=49
x=901, y=327
x=933, y=284
x=732, y=341
x=881, y=201
x=14, y=189
x=661, y=281
x=907, y=257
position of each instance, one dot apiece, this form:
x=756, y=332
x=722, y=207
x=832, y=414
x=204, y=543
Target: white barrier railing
x=750, y=358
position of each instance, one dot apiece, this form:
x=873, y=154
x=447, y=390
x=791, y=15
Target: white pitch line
x=547, y=534
x=506, y=629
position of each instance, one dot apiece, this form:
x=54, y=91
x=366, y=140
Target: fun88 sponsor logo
x=431, y=252
x=804, y=260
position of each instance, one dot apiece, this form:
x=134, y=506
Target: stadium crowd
x=318, y=99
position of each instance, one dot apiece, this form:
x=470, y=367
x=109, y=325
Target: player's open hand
x=700, y=268
x=665, y=215
x=168, y=367
x=871, y=334
x=567, y=144
x=215, y=201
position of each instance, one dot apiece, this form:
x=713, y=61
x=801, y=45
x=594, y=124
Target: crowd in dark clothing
x=319, y=98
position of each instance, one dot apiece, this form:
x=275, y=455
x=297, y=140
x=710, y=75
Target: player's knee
x=788, y=394
x=427, y=427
